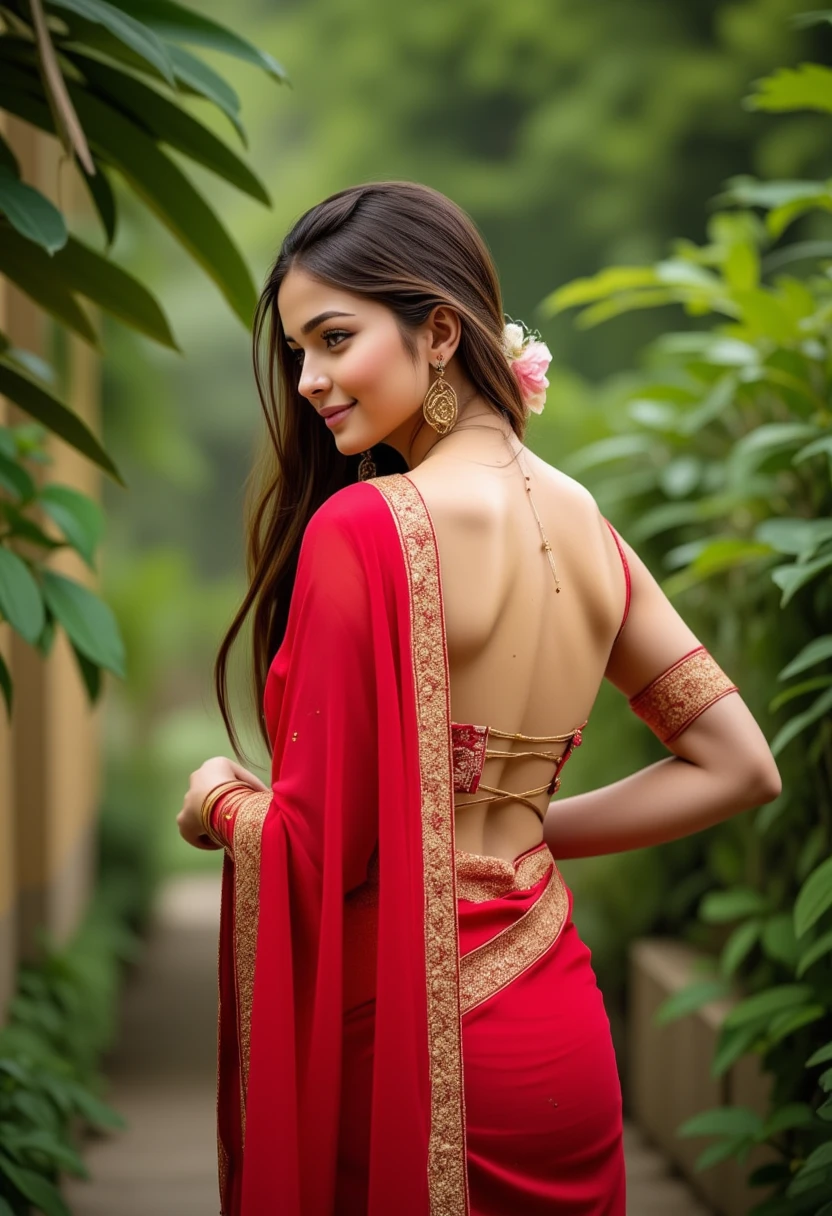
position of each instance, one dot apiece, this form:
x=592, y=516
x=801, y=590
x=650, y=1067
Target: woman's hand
x=212, y=773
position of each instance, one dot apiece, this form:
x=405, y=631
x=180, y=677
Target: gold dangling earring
x=440, y=406
x=367, y=467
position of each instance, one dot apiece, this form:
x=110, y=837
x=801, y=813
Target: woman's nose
x=312, y=383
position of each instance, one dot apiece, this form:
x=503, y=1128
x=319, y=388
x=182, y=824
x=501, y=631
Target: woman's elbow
x=766, y=781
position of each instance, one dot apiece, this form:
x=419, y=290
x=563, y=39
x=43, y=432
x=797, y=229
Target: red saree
x=361, y=956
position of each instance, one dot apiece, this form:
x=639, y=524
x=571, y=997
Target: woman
x=409, y=1022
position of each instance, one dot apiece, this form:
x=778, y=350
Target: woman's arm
x=721, y=765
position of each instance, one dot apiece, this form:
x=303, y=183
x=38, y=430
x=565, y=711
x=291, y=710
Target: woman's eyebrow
x=316, y=321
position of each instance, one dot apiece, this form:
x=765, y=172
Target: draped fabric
x=357, y=709
x=361, y=955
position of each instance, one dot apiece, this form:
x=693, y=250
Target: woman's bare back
x=522, y=657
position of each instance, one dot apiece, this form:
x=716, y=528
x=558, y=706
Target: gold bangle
x=208, y=804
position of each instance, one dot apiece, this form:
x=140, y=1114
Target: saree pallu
x=357, y=707
x=542, y=1093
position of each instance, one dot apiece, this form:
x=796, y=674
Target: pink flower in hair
x=529, y=359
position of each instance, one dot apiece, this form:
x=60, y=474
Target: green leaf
x=806, y=87
x=798, y=690
x=788, y=1022
x=15, y=479
x=816, y=651
x=801, y=722
x=820, y=1156
x=27, y=265
x=5, y=1208
x=121, y=25
x=88, y=621
x=6, y=686
x=732, y=1044
x=104, y=201
x=98, y=279
x=718, y=907
x=20, y=596
x=35, y=1188
x=825, y=1080
x=37, y=401
x=170, y=124
x=201, y=79
x=765, y=441
x=720, y=1150
x=180, y=24
x=820, y=1056
x=714, y=405
x=768, y=1003
x=817, y=950
x=814, y=897
x=90, y=674
x=816, y=448
x=689, y=999
x=786, y=1118
x=792, y=577
x=166, y=189
x=97, y=1113
x=739, y=946
x=779, y=941
x=30, y=212
x=79, y=518
x=801, y=537
x=722, y=1121
x=47, y=1143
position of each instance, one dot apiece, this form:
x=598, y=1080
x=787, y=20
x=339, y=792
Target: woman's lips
x=335, y=418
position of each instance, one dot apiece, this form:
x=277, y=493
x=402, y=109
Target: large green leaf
x=814, y=898
x=691, y=998
x=30, y=212
x=144, y=41
x=795, y=726
x=38, y=401
x=166, y=189
x=722, y=1121
x=104, y=201
x=796, y=536
x=192, y=75
x=806, y=87
x=35, y=1188
x=202, y=79
x=27, y=265
x=180, y=24
x=739, y=946
x=170, y=124
x=768, y=1003
x=792, y=577
x=79, y=518
x=88, y=621
x=14, y=478
x=98, y=279
x=20, y=597
x=719, y=907
x=817, y=950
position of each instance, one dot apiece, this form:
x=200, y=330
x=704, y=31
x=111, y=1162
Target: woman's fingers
x=242, y=774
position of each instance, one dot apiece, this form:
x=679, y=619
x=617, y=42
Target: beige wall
x=49, y=756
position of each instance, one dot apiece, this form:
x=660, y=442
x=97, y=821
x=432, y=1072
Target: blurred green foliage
x=723, y=449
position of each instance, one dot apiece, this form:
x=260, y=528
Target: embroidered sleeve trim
x=447, y=1171
x=679, y=694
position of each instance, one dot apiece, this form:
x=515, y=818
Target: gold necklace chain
x=546, y=546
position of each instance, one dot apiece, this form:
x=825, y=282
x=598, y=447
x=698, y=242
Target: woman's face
x=350, y=353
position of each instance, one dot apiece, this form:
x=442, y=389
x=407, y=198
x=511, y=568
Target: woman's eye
x=340, y=334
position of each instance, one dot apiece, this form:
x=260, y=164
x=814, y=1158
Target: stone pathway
x=162, y=1079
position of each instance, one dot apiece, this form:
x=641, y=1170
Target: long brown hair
x=403, y=245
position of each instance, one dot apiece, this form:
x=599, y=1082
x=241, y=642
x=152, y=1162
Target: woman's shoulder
x=350, y=511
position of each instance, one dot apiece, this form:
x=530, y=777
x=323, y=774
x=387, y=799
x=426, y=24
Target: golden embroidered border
x=222, y=1152
x=447, y=1169
x=480, y=878
x=248, y=830
x=494, y=965
x=679, y=694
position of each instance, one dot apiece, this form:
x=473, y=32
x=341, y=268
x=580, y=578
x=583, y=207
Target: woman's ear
x=444, y=332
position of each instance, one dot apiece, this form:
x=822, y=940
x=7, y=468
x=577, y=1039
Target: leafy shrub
x=726, y=455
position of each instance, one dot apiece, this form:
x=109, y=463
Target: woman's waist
x=507, y=911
